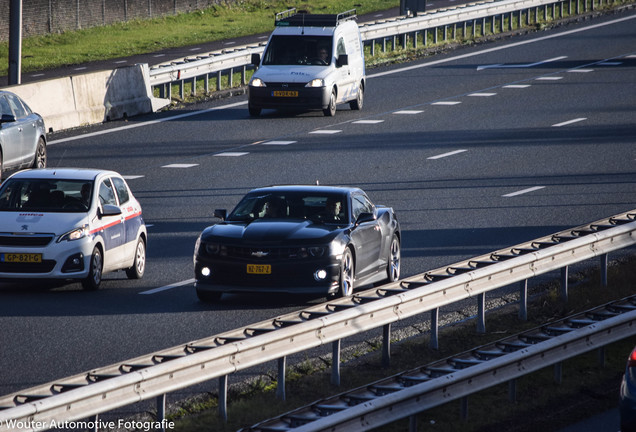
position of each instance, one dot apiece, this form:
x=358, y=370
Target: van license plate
x=259, y=269
x=285, y=93
x=21, y=257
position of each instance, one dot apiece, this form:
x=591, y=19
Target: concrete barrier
x=91, y=98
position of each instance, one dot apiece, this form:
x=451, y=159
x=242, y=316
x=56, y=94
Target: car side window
x=361, y=204
x=106, y=193
x=122, y=190
x=4, y=106
x=340, y=48
x=18, y=108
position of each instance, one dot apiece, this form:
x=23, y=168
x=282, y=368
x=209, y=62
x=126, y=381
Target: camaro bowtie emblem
x=260, y=254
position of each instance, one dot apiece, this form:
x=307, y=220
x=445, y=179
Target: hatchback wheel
x=94, y=278
x=39, y=161
x=139, y=265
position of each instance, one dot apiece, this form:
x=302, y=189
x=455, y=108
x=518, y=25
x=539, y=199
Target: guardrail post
x=523, y=300
x=218, y=80
x=386, y=345
x=181, y=89
x=223, y=397
x=280, y=387
x=193, y=90
x=161, y=410
x=564, y=283
x=434, y=342
x=464, y=407
x=481, y=313
x=230, y=78
x=512, y=390
x=601, y=356
x=95, y=421
x=413, y=423
x=558, y=372
x=604, y=270
x=335, y=362
x=206, y=83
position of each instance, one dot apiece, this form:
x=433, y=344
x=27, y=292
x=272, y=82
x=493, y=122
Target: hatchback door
x=112, y=227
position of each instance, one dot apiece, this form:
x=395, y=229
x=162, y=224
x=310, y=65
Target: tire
x=254, y=112
x=1, y=167
x=208, y=296
x=39, y=160
x=359, y=100
x=94, y=278
x=393, y=262
x=347, y=274
x=330, y=111
x=139, y=265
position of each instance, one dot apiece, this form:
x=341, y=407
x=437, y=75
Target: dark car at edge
x=314, y=240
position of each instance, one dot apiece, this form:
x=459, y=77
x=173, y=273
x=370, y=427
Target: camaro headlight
x=257, y=82
x=74, y=234
x=316, y=252
x=318, y=82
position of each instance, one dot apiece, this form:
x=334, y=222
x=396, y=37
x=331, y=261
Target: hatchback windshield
x=54, y=195
x=298, y=50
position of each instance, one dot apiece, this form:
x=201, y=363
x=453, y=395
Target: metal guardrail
x=487, y=16
x=159, y=373
x=411, y=392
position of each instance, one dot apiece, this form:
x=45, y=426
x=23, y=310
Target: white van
x=311, y=62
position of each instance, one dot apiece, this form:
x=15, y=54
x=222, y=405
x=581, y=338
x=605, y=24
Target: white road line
x=408, y=112
x=482, y=94
x=549, y=78
x=195, y=49
x=325, y=131
x=516, y=86
x=524, y=191
x=167, y=287
x=446, y=103
x=443, y=155
x=279, y=142
x=611, y=63
x=177, y=165
x=565, y=123
x=367, y=121
x=232, y=154
x=580, y=70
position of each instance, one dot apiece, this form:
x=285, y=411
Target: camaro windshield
x=46, y=195
x=327, y=208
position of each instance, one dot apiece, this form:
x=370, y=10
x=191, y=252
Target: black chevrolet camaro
x=317, y=240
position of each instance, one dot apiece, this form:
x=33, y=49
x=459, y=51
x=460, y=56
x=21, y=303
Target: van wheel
x=359, y=100
x=330, y=111
x=254, y=112
x=39, y=160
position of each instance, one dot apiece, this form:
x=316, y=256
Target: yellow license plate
x=259, y=269
x=281, y=93
x=21, y=257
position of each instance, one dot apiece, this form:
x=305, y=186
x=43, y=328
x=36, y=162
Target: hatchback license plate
x=21, y=257
x=280, y=93
x=259, y=269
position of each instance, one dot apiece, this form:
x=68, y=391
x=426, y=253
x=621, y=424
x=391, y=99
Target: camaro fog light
x=206, y=272
x=320, y=275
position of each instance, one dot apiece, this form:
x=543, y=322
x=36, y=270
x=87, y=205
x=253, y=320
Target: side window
x=340, y=48
x=361, y=205
x=4, y=106
x=18, y=108
x=106, y=193
x=122, y=190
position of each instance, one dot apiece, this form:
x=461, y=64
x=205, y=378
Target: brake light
x=631, y=361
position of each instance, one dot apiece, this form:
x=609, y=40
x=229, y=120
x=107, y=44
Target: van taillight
x=631, y=361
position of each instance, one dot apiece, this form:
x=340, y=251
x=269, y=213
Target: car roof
x=65, y=173
x=307, y=188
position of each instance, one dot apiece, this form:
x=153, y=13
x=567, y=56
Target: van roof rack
x=291, y=18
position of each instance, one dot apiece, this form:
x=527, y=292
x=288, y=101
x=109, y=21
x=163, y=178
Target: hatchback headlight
x=318, y=82
x=74, y=234
x=257, y=82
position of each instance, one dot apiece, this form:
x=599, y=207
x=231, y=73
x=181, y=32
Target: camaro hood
x=271, y=231
x=39, y=222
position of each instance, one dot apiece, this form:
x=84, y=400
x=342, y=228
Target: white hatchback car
x=70, y=224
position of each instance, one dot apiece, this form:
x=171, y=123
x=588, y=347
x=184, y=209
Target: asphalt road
x=478, y=149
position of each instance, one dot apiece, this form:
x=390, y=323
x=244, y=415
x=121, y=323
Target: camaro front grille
x=247, y=253
x=26, y=240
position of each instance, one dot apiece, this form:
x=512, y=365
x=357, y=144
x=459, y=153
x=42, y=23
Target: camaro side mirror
x=220, y=213
x=365, y=217
x=109, y=210
x=256, y=59
x=343, y=60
